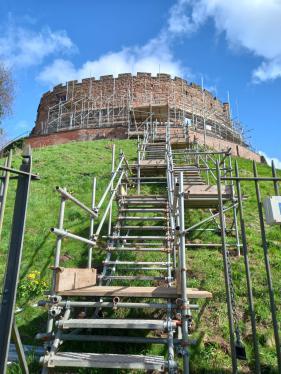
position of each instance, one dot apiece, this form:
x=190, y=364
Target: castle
x=119, y=107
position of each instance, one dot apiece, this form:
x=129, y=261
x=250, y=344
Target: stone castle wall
x=63, y=137
x=143, y=90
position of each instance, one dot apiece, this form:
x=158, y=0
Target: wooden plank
x=156, y=292
x=73, y=278
x=105, y=360
x=153, y=162
x=112, y=323
x=207, y=190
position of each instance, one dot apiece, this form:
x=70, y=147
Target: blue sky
x=234, y=46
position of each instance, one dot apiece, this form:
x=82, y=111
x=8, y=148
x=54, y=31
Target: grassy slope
x=73, y=166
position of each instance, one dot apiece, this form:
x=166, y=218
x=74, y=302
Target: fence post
x=4, y=189
x=268, y=270
x=182, y=274
x=248, y=272
x=14, y=259
x=226, y=272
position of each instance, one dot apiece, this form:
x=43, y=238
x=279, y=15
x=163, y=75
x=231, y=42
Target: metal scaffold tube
x=109, y=186
x=146, y=245
x=268, y=269
x=112, y=173
x=92, y=223
x=248, y=273
x=226, y=273
x=68, y=196
x=185, y=312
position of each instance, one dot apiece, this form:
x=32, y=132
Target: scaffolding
x=99, y=110
x=149, y=225
x=88, y=112
x=142, y=283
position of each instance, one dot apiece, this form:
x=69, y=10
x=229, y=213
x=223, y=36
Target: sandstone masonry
x=140, y=93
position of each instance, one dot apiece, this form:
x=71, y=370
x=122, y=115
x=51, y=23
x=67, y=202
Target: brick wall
x=144, y=89
x=76, y=135
x=219, y=144
x=121, y=133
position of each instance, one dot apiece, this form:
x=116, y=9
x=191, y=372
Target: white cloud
x=186, y=16
x=269, y=160
x=254, y=25
x=154, y=55
x=22, y=47
x=268, y=70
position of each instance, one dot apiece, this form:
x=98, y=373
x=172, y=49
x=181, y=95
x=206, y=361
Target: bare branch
x=6, y=92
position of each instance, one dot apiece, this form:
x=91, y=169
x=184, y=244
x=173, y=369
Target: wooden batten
x=146, y=292
x=70, y=279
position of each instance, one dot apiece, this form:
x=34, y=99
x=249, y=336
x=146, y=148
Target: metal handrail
x=68, y=196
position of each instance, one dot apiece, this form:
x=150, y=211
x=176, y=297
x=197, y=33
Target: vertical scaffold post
x=268, y=270
x=112, y=172
x=248, y=272
x=92, y=223
x=138, y=171
x=57, y=257
x=226, y=272
x=14, y=259
x=182, y=270
x=59, y=239
x=237, y=239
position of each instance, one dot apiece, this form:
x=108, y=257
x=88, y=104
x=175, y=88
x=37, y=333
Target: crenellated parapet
x=140, y=90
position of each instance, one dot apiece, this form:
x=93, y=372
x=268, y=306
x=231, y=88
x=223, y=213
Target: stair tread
x=118, y=262
x=155, y=292
x=105, y=323
x=105, y=360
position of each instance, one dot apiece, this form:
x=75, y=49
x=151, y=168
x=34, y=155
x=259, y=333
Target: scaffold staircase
x=142, y=283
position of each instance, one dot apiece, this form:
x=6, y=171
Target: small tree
x=6, y=94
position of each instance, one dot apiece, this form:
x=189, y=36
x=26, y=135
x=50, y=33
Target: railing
x=117, y=175
x=177, y=234
x=148, y=136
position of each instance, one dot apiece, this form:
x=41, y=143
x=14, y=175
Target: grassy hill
x=73, y=166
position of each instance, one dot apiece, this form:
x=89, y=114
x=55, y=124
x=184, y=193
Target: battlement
x=134, y=91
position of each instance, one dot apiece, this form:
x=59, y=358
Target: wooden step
x=146, y=263
x=132, y=278
x=144, y=197
x=135, y=237
x=144, y=210
x=111, y=323
x=144, y=228
x=123, y=291
x=145, y=204
x=104, y=360
x=143, y=218
x=137, y=249
x=204, y=196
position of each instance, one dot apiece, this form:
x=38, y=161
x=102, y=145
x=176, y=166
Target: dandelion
x=31, y=276
x=32, y=285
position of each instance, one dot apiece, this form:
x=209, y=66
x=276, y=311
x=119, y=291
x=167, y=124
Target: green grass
x=73, y=166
